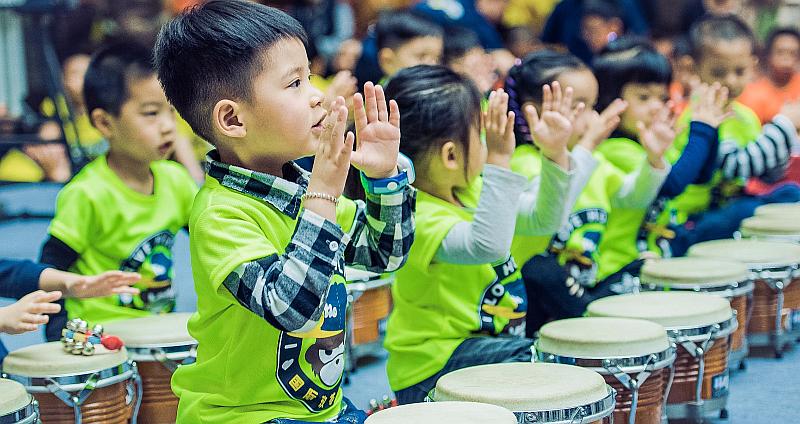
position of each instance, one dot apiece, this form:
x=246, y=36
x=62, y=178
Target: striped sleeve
x=770, y=151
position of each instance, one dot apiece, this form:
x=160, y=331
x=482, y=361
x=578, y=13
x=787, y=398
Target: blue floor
x=767, y=392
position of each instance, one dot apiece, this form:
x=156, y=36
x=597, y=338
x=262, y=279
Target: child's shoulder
x=91, y=178
x=172, y=169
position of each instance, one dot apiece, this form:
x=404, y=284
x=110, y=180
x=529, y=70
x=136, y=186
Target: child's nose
x=316, y=97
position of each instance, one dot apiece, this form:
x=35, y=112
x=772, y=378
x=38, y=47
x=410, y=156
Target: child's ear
x=228, y=120
x=449, y=156
x=616, y=25
x=103, y=121
x=386, y=58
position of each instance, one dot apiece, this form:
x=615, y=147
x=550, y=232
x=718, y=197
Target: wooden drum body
x=632, y=355
x=774, y=317
x=158, y=345
x=731, y=280
x=536, y=393
x=700, y=326
x=16, y=405
x=444, y=412
x=368, y=307
x=102, y=383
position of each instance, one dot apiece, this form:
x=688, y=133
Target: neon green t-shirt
x=527, y=161
x=247, y=371
x=111, y=226
x=618, y=246
x=742, y=128
x=438, y=305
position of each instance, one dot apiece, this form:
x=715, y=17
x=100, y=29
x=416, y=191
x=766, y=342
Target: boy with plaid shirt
x=269, y=241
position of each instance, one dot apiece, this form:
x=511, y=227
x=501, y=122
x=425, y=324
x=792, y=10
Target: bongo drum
x=368, y=307
x=73, y=388
x=779, y=209
x=632, y=355
x=535, y=393
x=158, y=344
x=772, y=228
x=708, y=276
x=775, y=312
x=16, y=405
x=444, y=412
x=700, y=325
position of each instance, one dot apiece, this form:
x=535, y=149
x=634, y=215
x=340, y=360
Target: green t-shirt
x=527, y=161
x=618, y=246
x=742, y=128
x=247, y=371
x=111, y=226
x=438, y=305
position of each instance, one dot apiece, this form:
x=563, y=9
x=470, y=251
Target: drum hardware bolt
x=723, y=414
x=742, y=366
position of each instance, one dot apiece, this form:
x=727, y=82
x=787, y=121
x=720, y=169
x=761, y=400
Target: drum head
x=444, y=412
x=771, y=225
x=523, y=387
x=698, y=272
x=779, y=209
x=50, y=360
x=13, y=397
x=602, y=338
x=155, y=331
x=670, y=309
x=753, y=253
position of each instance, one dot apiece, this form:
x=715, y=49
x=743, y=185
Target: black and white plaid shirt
x=289, y=290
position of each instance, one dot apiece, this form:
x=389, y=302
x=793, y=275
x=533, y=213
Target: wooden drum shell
x=106, y=405
x=687, y=369
x=765, y=305
x=651, y=398
x=369, y=311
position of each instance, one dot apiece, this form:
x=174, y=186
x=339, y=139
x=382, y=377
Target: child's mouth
x=165, y=148
x=317, y=128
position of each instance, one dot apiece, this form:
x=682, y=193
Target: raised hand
x=551, y=131
x=105, y=284
x=708, y=104
x=343, y=85
x=658, y=136
x=377, y=132
x=499, y=125
x=332, y=161
x=601, y=125
x=29, y=313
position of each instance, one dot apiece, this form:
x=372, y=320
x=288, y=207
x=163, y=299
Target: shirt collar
x=282, y=193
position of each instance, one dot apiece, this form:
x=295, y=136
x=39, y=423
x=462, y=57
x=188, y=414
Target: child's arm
x=770, y=151
x=384, y=228
x=18, y=278
x=487, y=238
x=708, y=112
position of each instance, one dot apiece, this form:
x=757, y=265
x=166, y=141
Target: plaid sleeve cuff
x=323, y=238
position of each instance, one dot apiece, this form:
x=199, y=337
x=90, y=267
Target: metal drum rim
x=743, y=287
x=628, y=364
x=25, y=415
x=598, y=410
x=727, y=328
x=76, y=382
x=144, y=353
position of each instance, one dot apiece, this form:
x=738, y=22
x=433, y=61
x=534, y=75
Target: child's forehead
x=282, y=57
x=738, y=47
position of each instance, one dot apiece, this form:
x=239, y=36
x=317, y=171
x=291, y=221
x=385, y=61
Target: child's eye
x=150, y=113
x=295, y=84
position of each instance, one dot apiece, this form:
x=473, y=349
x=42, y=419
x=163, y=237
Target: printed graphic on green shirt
x=576, y=244
x=310, y=365
x=508, y=281
x=152, y=258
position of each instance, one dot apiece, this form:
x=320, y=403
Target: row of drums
x=661, y=353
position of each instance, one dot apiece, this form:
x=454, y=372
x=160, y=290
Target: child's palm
x=552, y=132
x=377, y=132
x=658, y=138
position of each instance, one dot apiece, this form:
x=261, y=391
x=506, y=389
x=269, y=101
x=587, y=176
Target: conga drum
x=534, y=392
x=73, y=388
x=779, y=209
x=632, y=355
x=444, y=412
x=16, y=405
x=700, y=325
x=369, y=304
x=775, y=315
x=731, y=280
x=158, y=344
x=772, y=228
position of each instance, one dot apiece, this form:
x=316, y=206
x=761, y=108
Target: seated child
x=464, y=54
x=461, y=289
x=269, y=241
x=407, y=39
x=123, y=209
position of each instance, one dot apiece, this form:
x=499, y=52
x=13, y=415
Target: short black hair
x=712, y=29
x=779, y=32
x=213, y=51
x=397, y=28
x=525, y=80
x=457, y=42
x=110, y=73
x=437, y=104
x=606, y=9
x=628, y=60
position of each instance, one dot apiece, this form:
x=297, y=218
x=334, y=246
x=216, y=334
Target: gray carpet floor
x=767, y=392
